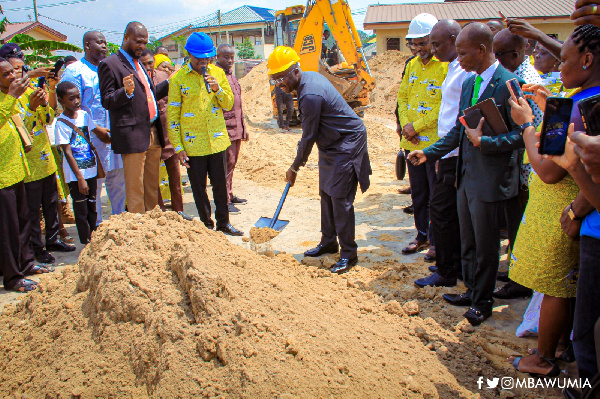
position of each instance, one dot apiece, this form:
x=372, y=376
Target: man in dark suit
x=131, y=99
x=487, y=170
x=341, y=138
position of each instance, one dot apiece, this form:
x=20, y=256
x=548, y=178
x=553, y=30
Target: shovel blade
x=266, y=222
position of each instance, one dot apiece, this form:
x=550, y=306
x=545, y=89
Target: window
x=171, y=48
x=392, y=43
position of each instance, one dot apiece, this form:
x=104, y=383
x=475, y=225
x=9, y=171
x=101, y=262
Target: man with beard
x=131, y=98
x=341, y=138
x=84, y=75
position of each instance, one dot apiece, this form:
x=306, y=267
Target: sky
x=161, y=17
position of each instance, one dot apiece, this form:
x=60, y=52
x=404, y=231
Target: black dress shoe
x=435, y=280
x=343, y=265
x=476, y=316
x=512, y=290
x=502, y=276
x=457, y=299
x=433, y=269
x=230, y=230
x=44, y=257
x=60, y=246
x=185, y=216
x=322, y=250
x=409, y=209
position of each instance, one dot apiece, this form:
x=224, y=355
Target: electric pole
x=35, y=10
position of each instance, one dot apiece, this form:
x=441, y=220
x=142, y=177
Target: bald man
x=487, y=171
x=131, y=98
x=84, y=75
x=496, y=25
x=443, y=211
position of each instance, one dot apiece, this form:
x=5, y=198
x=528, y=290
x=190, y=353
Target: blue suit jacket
x=491, y=171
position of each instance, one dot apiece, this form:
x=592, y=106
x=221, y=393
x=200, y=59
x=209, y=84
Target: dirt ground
x=160, y=307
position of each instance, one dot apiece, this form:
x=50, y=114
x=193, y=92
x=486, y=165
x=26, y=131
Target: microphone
x=203, y=72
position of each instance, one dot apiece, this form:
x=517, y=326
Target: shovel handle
x=281, y=201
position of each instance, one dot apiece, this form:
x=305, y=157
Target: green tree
x=153, y=43
x=245, y=49
x=112, y=48
x=41, y=50
x=180, y=41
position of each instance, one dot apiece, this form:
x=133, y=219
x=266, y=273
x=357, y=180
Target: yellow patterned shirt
x=13, y=164
x=40, y=159
x=195, y=117
x=419, y=99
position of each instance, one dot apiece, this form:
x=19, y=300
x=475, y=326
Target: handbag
x=100, y=174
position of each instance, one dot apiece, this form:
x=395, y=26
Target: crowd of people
x=126, y=122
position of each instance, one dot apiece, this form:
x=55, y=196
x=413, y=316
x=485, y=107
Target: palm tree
x=41, y=50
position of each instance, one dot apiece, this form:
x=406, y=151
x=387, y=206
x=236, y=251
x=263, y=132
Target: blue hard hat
x=200, y=45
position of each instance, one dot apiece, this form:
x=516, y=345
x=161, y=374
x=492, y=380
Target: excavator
x=302, y=28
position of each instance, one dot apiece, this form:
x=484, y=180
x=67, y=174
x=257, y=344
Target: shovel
x=273, y=223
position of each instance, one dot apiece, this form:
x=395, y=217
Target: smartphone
x=24, y=70
x=502, y=16
x=57, y=67
x=515, y=89
x=41, y=82
x=590, y=114
x=557, y=118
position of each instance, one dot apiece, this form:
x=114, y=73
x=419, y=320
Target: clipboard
x=493, y=118
x=25, y=137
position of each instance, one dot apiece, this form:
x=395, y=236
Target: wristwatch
x=525, y=126
x=572, y=214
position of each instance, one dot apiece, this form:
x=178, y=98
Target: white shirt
x=451, y=91
x=86, y=161
x=486, y=76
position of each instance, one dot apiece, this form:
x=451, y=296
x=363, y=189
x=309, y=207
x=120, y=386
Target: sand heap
x=256, y=98
x=387, y=69
x=260, y=235
x=160, y=307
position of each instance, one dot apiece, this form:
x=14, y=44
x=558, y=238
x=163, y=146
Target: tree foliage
x=153, y=43
x=246, y=50
x=41, y=50
x=180, y=41
x=112, y=48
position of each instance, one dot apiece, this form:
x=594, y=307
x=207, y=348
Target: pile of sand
x=160, y=307
x=260, y=235
x=256, y=97
x=387, y=69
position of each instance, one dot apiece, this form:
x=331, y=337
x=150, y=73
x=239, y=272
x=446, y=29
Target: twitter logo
x=493, y=383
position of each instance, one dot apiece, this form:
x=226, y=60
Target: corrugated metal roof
x=468, y=10
x=242, y=15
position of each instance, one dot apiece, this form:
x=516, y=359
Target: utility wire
x=81, y=26
x=64, y=3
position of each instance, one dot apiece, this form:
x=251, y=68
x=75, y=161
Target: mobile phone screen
x=515, y=88
x=590, y=112
x=41, y=82
x=555, y=126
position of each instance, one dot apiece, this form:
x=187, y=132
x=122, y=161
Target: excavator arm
x=336, y=14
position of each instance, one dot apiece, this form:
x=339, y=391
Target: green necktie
x=478, y=81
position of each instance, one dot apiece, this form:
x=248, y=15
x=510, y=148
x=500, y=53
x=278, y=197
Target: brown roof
x=24, y=27
x=468, y=10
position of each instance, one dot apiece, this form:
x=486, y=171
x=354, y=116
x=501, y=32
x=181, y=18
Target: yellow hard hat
x=281, y=59
x=345, y=65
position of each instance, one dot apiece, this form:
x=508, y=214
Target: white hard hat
x=421, y=26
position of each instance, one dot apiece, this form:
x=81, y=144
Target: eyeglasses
x=504, y=52
x=277, y=82
x=420, y=45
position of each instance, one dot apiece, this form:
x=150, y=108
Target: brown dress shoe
x=430, y=255
x=415, y=246
x=405, y=190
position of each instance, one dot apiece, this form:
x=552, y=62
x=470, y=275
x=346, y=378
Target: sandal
x=65, y=237
x=41, y=269
x=567, y=356
x=415, y=246
x=23, y=285
x=554, y=372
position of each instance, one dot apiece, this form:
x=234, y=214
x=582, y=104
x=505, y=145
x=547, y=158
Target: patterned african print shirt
x=527, y=72
x=194, y=116
x=13, y=163
x=419, y=99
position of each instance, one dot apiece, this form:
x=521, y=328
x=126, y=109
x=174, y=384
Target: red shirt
x=234, y=119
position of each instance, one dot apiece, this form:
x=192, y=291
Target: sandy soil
x=159, y=307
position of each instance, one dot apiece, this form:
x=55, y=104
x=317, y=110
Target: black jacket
x=129, y=117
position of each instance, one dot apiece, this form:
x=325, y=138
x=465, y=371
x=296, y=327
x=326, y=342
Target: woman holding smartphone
x=546, y=259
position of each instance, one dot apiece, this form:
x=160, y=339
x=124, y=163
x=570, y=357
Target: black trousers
x=84, y=208
x=422, y=178
x=443, y=212
x=480, y=245
x=43, y=193
x=337, y=222
x=215, y=166
x=16, y=255
x=287, y=100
